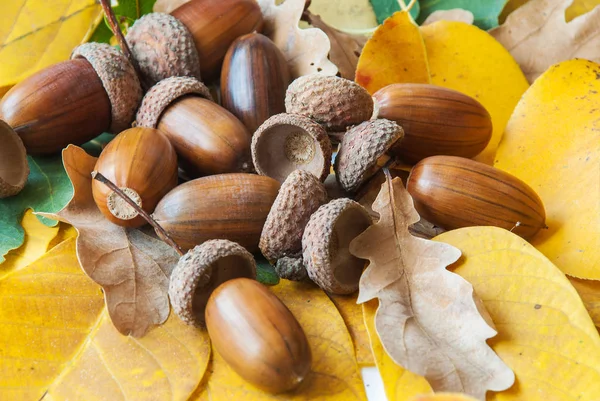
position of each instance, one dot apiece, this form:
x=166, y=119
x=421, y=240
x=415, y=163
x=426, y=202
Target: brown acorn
x=257, y=335
x=140, y=161
x=14, y=168
x=436, y=121
x=224, y=206
x=208, y=139
x=254, y=79
x=73, y=101
x=454, y=192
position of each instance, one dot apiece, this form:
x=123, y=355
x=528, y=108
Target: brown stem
x=99, y=177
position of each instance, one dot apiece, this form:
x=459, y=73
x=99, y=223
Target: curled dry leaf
x=429, y=319
x=537, y=35
x=589, y=291
x=456, y=14
x=132, y=267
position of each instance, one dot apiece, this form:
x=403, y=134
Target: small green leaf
x=265, y=273
x=385, y=8
x=48, y=189
x=102, y=34
x=126, y=11
x=486, y=12
x=95, y=146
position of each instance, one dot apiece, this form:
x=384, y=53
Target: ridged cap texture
x=291, y=268
x=160, y=96
x=118, y=78
x=333, y=102
x=360, y=150
x=163, y=47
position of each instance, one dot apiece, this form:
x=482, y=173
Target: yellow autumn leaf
x=551, y=143
x=65, y=232
x=544, y=332
x=443, y=397
x=400, y=384
x=589, y=291
x=334, y=372
x=467, y=59
x=35, y=34
x=353, y=317
x=46, y=311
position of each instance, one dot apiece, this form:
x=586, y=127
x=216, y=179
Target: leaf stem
x=167, y=238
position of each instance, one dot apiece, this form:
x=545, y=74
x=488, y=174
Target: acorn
x=225, y=206
x=208, y=139
x=200, y=271
x=73, y=101
x=288, y=142
x=14, y=168
x=254, y=79
x=454, y=192
x=325, y=245
x=143, y=164
x=436, y=121
x=258, y=336
x=336, y=103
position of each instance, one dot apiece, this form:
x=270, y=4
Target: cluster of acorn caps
x=301, y=220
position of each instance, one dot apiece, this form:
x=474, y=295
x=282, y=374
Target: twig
x=167, y=238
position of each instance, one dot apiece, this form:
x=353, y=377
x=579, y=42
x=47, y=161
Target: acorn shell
x=436, y=121
x=142, y=161
x=224, y=206
x=299, y=197
x=336, y=103
x=325, y=245
x=454, y=192
x=14, y=168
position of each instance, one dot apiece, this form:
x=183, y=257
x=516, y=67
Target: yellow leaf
x=35, y=34
x=589, y=291
x=65, y=232
x=166, y=364
x=345, y=15
x=400, y=384
x=544, y=332
x=46, y=311
x=38, y=237
x=334, y=373
x=577, y=8
x=353, y=317
x=443, y=397
x=551, y=143
x=467, y=59
x=394, y=54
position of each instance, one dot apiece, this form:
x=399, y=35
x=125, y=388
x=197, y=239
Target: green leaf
x=265, y=273
x=385, y=8
x=486, y=12
x=102, y=34
x=48, y=189
x=126, y=11
x=95, y=146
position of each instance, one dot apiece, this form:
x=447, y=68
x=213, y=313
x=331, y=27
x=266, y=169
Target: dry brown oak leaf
x=538, y=36
x=429, y=319
x=133, y=268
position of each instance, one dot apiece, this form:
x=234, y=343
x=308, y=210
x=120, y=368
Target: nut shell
x=118, y=78
x=335, y=103
x=14, y=168
x=325, y=245
x=299, y=197
x=288, y=142
x=163, y=47
x=364, y=151
x=203, y=269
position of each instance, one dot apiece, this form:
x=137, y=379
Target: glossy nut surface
x=257, y=335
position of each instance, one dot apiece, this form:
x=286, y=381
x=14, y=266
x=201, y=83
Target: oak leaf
x=346, y=15
x=538, y=36
x=589, y=291
x=455, y=14
x=429, y=319
x=133, y=268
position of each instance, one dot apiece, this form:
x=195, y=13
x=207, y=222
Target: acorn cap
x=325, y=245
x=288, y=142
x=161, y=95
x=203, y=269
x=291, y=268
x=14, y=168
x=334, y=102
x=364, y=151
x=118, y=78
x=299, y=197
x=163, y=47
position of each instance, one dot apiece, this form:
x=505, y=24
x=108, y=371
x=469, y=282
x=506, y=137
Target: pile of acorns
x=282, y=131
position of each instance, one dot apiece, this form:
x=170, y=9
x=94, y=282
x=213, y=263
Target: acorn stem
x=167, y=238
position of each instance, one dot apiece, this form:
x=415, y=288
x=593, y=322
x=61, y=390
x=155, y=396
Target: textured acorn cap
x=288, y=142
x=203, y=269
x=364, y=151
x=299, y=197
x=14, y=168
x=118, y=78
x=291, y=268
x=161, y=95
x=334, y=102
x=325, y=245
x=163, y=47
